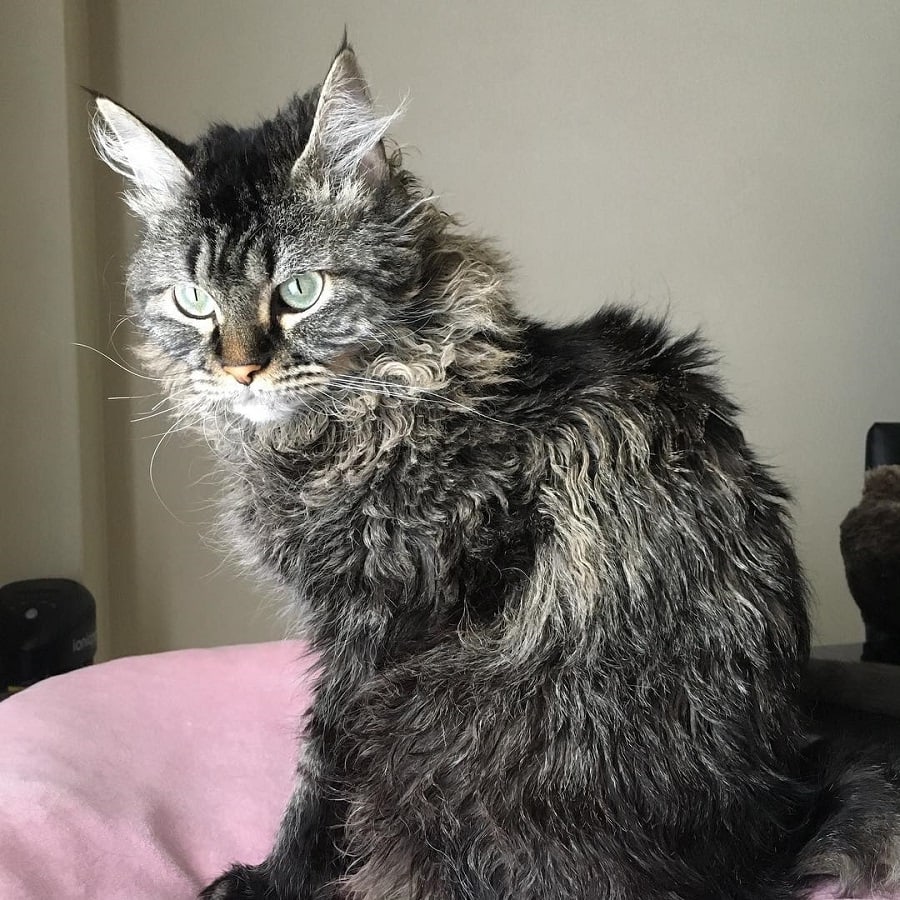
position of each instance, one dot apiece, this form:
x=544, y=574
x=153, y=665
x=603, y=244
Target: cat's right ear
x=157, y=175
x=347, y=134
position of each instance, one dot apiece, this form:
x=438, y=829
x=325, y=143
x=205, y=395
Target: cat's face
x=275, y=262
x=264, y=317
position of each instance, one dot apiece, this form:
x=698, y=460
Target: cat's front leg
x=247, y=882
x=305, y=859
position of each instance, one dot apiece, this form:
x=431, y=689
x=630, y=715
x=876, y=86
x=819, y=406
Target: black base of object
x=47, y=626
x=883, y=444
x=881, y=646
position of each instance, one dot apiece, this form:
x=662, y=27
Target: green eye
x=193, y=301
x=302, y=291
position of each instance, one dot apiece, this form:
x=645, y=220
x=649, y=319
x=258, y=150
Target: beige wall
x=732, y=162
x=51, y=453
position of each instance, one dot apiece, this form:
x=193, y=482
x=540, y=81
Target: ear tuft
x=158, y=177
x=347, y=135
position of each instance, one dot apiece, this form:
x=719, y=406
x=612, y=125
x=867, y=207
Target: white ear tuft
x=347, y=135
x=129, y=147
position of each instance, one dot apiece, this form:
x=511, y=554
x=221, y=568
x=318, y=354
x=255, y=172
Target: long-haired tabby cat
x=559, y=614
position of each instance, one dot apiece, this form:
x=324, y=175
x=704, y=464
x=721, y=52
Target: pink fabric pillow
x=143, y=778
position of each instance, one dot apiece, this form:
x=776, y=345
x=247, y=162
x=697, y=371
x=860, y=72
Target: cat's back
x=625, y=370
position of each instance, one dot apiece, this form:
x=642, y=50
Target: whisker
x=133, y=397
x=416, y=393
x=173, y=428
x=169, y=431
x=112, y=337
x=107, y=357
x=153, y=415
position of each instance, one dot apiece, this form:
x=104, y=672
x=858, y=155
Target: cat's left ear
x=347, y=136
x=158, y=176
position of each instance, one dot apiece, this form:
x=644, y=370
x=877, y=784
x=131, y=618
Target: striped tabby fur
x=560, y=616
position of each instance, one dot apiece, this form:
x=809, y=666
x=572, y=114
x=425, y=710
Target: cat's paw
x=240, y=883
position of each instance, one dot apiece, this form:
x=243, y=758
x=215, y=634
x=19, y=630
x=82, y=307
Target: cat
x=559, y=615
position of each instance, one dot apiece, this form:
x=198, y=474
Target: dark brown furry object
x=870, y=545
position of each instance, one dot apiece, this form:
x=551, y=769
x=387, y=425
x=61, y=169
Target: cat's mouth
x=276, y=396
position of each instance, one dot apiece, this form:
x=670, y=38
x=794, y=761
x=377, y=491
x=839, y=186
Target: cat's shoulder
x=616, y=342
x=621, y=359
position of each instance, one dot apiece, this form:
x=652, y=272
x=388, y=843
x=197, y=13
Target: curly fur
x=560, y=616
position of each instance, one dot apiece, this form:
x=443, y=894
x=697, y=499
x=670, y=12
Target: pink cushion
x=145, y=777
x=142, y=778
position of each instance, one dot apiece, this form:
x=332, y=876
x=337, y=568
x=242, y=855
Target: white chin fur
x=259, y=412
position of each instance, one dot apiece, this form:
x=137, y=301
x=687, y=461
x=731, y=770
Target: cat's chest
x=406, y=514
x=286, y=512
x=300, y=516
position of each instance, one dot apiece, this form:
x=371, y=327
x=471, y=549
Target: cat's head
x=291, y=259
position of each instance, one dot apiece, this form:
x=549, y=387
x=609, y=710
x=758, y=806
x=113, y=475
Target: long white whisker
x=173, y=428
x=153, y=415
x=133, y=397
x=395, y=389
x=112, y=337
x=107, y=357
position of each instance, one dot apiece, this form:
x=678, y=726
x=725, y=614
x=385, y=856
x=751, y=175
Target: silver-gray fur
x=560, y=619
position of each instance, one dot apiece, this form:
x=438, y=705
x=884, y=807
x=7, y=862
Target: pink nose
x=243, y=374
